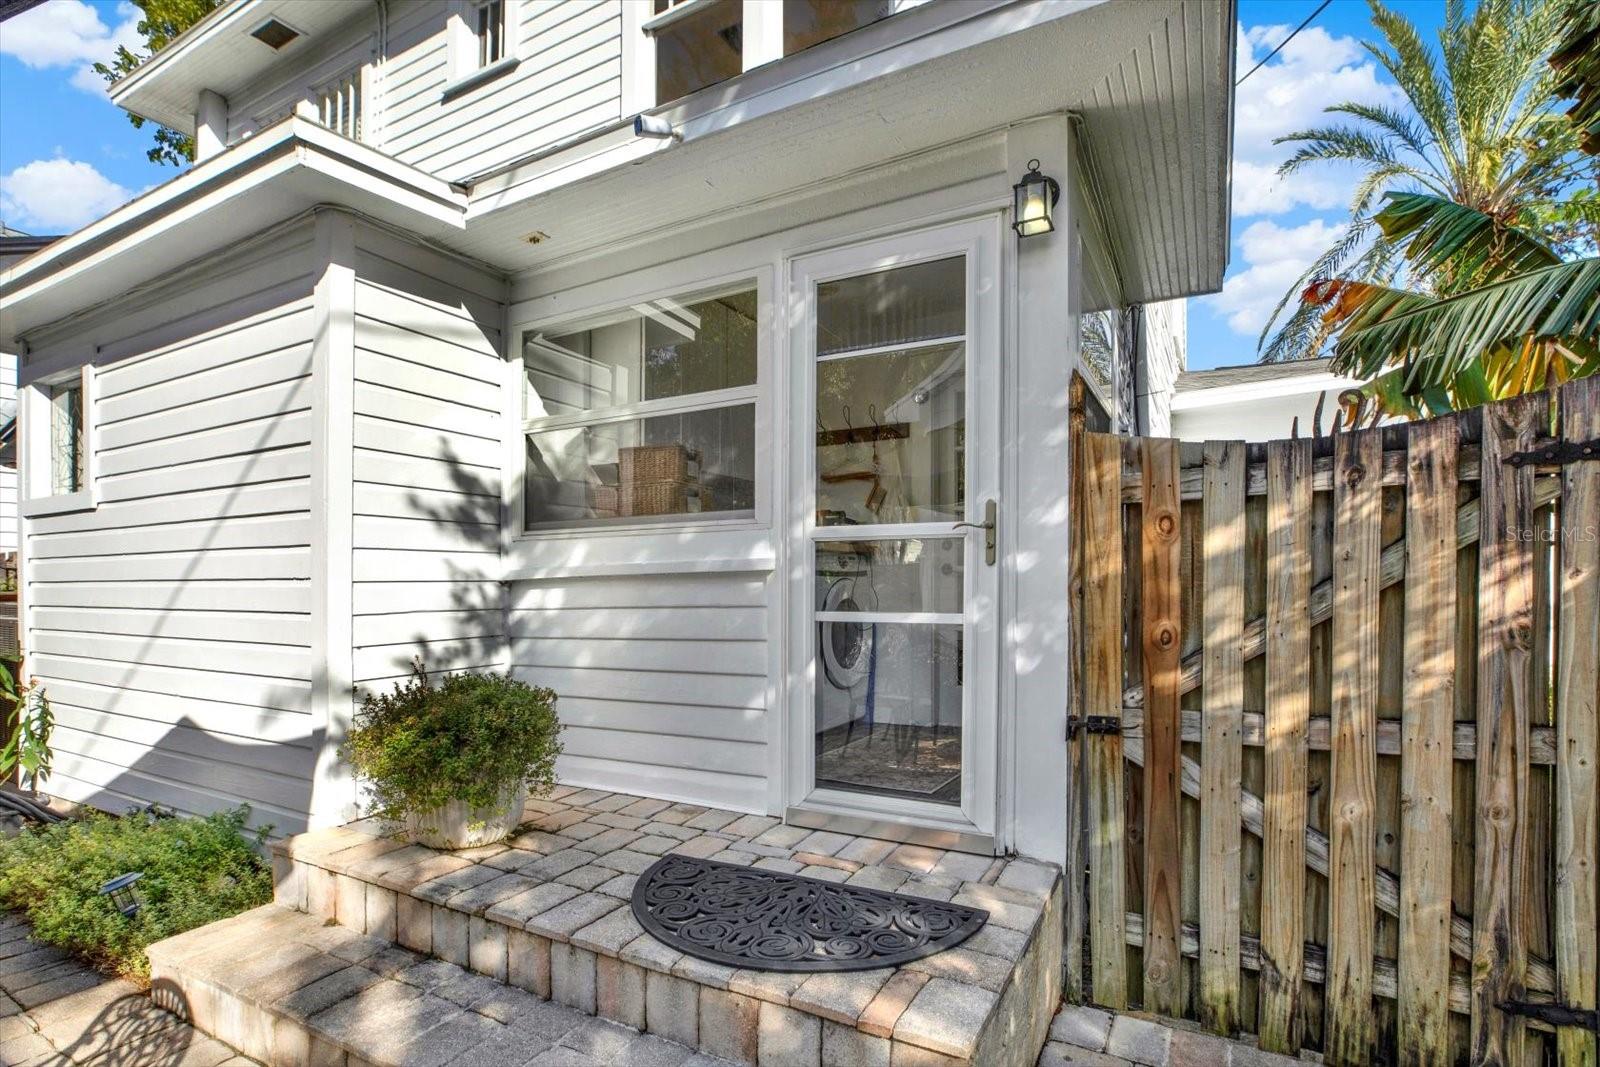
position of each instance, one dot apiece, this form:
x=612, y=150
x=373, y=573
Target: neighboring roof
x=1249, y=373
x=1252, y=382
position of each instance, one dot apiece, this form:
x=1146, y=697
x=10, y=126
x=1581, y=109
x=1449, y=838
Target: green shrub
x=196, y=871
x=466, y=738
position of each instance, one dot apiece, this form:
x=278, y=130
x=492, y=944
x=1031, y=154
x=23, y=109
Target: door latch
x=988, y=526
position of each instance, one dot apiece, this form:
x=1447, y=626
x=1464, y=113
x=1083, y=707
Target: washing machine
x=845, y=648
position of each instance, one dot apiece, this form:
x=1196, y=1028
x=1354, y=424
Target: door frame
x=972, y=826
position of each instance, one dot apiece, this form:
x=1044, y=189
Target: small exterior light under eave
x=1036, y=196
x=124, y=897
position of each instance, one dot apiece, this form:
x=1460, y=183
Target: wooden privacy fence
x=1335, y=734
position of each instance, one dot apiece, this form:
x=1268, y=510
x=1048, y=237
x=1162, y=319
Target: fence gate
x=1335, y=734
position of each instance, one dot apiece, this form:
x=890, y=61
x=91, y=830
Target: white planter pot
x=457, y=825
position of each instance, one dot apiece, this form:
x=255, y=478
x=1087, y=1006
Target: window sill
x=57, y=505
x=468, y=82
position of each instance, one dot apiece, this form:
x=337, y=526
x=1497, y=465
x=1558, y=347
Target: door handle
x=989, y=526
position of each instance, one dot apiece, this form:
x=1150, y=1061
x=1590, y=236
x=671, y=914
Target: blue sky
x=68, y=156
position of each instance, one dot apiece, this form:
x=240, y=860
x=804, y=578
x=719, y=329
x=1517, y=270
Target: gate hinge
x=1093, y=724
x=1555, y=453
x=1553, y=1013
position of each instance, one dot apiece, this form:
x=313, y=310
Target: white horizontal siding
x=427, y=459
x=171, y=624
x=662, y=680
x=568, y=79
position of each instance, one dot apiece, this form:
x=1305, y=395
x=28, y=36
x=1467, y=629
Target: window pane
x=700, y=49
x=891, y=437
x=900, y=306
x=809, y=22
x=68, y=460
x=890, y=576
x=888, y=709
x=664, y=348
x=692, y=463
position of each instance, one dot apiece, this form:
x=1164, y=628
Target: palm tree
x=1481, y=144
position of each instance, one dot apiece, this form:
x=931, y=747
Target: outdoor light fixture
x=1035, y=195
x=124, y=897
x=655, y=126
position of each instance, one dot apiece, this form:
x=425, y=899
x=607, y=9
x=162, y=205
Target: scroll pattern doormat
x=771, y=921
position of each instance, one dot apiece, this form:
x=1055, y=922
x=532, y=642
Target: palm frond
x=1333, y=143
x=1411, y=65
x=1395, y=123
x=1443, y=238
x=1438, y=338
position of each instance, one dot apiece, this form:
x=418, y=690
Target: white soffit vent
x=275, y=33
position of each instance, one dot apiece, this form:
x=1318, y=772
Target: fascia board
x=1299, y=385
x=126, y=90
x=304, y=163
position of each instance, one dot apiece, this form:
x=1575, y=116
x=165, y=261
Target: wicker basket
x=658, y=463
x=663, y=498
x=604, y=501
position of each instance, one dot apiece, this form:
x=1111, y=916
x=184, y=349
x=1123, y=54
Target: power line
x=1320, y=8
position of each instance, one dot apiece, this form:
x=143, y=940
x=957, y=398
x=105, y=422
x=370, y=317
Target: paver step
x=549, y=913
x=293, y=990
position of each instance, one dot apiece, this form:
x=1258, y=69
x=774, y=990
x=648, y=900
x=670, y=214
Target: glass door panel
x=890, y=404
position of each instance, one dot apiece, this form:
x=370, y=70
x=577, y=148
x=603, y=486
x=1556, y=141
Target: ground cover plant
x=196, y=871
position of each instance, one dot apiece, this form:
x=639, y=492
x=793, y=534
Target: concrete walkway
x=56, y=1011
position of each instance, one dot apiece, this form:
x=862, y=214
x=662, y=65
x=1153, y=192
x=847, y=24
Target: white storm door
x=896, y=475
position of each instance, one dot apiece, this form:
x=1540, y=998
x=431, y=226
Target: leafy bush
x=467, y=738
x=196, y=871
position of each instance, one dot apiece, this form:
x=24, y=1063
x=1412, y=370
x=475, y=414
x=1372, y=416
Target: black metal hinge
x=1092, y=724
x=1553, y=1014
x=1555, y=453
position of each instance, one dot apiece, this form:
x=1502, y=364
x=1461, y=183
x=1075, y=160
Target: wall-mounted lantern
x=1035, y=200
x=124, y=897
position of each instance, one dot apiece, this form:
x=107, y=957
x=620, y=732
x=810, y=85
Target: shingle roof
x=1248, y=373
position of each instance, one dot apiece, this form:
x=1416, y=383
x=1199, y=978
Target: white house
x=1257, y=401
x=743, y=427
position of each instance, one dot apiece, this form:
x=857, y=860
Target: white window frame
x=36, y=411
x=761, y=30
x=466, y=70
x=756, y=394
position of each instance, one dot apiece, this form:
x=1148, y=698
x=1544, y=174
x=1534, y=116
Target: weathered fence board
x=1505, y=652
x=1102, y=688
x=1287, y=721
x=1221, y=768
x=1378, y=841
x=1428, y=739
x=1353, y=798
x=1160, y=611
x=1577, y=785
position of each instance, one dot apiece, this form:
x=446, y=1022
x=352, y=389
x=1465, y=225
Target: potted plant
x=455, y=761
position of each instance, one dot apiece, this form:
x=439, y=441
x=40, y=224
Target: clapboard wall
x=568, y=79
x=171, y=625
x=662, y=679
x=427, y=438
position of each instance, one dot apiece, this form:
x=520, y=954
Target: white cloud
x=1273, y=257
x=57, y=195
x=1314, y=70
x=70, y=33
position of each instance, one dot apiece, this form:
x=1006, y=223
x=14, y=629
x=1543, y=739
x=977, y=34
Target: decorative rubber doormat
x=771, y=921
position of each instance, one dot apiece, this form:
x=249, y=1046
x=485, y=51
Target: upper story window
x=489, y=24
x=699, y=43
x=481, y=42
x=645, y=414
